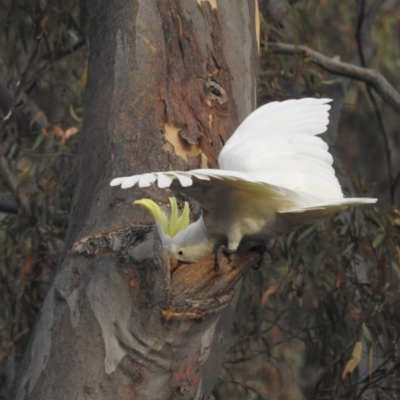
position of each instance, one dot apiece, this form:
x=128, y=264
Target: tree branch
x=11, y=183
x=32, y=117
x=9, y=206
x=369, y=76
x=363, y=34
x=143, y=337
x=196, y=289
x=189, y=280
x=8, y=176
x=16, y=101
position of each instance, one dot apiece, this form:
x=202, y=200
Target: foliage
x=328, y=292
x=319, y=319
x=40, y=154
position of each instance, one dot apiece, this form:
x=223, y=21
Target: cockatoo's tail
x=275, y=175
x=175, y=222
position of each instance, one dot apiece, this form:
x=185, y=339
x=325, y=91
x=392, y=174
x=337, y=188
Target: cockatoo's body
x=275, y=175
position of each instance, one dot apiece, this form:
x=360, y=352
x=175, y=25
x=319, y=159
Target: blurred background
x=321, y=320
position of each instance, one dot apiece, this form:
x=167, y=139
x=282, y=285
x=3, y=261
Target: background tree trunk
x=168, y=82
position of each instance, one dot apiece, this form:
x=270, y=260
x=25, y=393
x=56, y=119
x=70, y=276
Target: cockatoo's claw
x=224, y=250
x=263, y=250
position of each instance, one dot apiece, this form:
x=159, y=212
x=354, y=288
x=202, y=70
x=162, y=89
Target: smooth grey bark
x=168, y=82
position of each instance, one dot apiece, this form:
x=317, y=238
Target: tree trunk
x=168, y=82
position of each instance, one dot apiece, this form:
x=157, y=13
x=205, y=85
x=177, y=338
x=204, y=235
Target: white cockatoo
x=275, y=175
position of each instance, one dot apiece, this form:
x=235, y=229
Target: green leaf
x=344, y=229
x=73, y=114
x=329, y=82
x=378, y=240
x=348, y=248
x=395, y=268
x=290, y=238
x=370, y=360
x=38, y=142
x=366, y=333
x=305, y=233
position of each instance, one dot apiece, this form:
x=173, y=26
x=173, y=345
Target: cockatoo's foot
x=263, y=250
x=224, y=250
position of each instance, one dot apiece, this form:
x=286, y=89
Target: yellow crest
x=172, y=225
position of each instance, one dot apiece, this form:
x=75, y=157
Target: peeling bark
x=168, y=82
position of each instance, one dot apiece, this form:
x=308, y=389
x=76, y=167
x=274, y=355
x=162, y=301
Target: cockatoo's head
x=170, y=229
x=182, y=240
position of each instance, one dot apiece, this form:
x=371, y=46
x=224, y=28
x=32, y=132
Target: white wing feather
x=164, y=179
x=209, y=178
x=277, y=144
x=273, y=163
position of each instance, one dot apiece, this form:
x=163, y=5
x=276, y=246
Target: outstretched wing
x=277, y=144
x=220, y=192
x=228, y=197
x=223, y=194
x=211, y=182
x=273, y=168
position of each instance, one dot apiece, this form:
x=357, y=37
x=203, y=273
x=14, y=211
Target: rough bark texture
x=169, y=80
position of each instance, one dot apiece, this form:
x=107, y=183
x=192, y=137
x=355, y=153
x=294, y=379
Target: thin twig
x=9, y=206
x=11, y=183
x=320, y=375
x=8, y=176
x=16, y=102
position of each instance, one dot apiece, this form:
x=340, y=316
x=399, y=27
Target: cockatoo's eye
x=180, y=252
